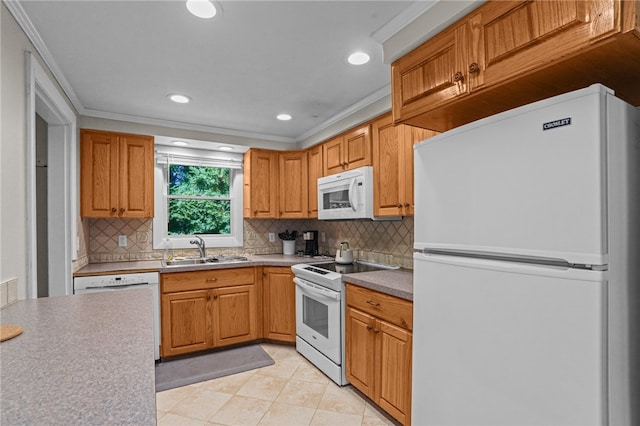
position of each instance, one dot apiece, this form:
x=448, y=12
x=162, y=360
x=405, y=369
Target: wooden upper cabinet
x=347, y=151
x=316, y=170
x=522, y=36
x=116, y=174
x=506, y=54
x=260, y=184
x=429, y=75
x=393, y=166
x=294, y=184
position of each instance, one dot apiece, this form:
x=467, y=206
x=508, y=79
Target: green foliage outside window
x=199, y=201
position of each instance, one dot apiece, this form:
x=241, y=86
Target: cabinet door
x=279, y=302
x=360, y=342
x=186, y=325
x=98, y=174
x=523, y=36
x=410, y=136
x=315, y=172
x=430, y=75
x=294, y=178
x=136, y=176
x=393, y=367
x=234, y=315
x=357, y=147
x=333, y=156
x=388, y=170
x=263, y=185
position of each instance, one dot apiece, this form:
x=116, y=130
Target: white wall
x=13, y=150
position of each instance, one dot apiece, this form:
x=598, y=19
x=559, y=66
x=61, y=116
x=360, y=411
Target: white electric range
x=320, y=313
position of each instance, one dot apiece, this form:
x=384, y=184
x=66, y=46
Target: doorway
x=51, y=186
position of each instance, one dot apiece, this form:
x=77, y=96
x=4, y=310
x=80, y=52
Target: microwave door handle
x=352, y=194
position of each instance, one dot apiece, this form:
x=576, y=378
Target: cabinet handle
x=369, y=328
x=406, y=205
x=372, y=303
x=215, y=296
x=113, y=210
x=458, y=77
x=255, y=212
x=121, y=209
x=474, y=68
x=211, y=280
x=399, y=205
x=208, y=296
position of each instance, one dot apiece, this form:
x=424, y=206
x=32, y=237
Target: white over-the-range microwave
x=347, y=195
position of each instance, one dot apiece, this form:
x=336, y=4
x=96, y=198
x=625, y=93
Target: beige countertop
x=396, y=282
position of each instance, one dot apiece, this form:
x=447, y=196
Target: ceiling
x=120, y=60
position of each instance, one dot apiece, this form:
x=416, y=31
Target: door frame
x=44, y=98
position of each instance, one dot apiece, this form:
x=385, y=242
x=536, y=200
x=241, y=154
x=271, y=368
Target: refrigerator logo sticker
x=556, y=123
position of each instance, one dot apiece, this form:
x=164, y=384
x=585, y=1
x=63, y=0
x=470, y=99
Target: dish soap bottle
x=168, y=250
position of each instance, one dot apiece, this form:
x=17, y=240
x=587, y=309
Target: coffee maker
x=311, y=243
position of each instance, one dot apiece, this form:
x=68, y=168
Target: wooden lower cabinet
x=378, y=349
x=279, y=304
x=207, y=309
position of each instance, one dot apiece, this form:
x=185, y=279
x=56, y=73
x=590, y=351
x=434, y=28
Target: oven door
x=318, y=318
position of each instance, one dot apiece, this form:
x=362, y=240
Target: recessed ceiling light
x=283, y=117
x=358, y=58
x=225, y=148
x=202, y=8
x=181, y=99
x=179, y=143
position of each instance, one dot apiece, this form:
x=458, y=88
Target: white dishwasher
x=122, y=282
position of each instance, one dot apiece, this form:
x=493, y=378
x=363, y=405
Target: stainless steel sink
x=185, y=262
x=204, y=261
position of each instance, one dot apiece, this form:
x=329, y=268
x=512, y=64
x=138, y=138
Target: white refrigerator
x=527, y=267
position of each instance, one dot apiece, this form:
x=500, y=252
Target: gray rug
x=185, y=371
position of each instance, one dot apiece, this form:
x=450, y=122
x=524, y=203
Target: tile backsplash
x=387, y=242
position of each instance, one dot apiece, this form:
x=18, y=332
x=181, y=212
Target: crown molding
x=29, y=29
x=348, y=112
x=401, y=20
x=186, y=126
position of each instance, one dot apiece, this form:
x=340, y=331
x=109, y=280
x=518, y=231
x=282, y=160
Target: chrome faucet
x=200, y=243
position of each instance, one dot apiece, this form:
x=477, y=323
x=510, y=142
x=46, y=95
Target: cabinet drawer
x=183, y=281
x=390, y=308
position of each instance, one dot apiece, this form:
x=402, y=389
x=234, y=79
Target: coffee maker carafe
x=311, y=243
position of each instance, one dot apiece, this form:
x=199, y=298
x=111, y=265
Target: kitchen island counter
x=395, y=282
x=81, y=360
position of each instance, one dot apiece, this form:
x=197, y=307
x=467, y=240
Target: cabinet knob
x=208, y=296
x=406, y=205
x=113, y=210
x=458, y=77
x=121, y=209
x=215, y=296
x=369, y=328
x=474, y=68
x=255, y=212
x=399, y=205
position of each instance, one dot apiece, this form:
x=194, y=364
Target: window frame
x=160, y=220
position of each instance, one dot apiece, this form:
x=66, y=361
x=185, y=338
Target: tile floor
x=290, y=392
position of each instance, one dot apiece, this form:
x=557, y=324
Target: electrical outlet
x=122, y=240
x=272, y=237
x=323, y=237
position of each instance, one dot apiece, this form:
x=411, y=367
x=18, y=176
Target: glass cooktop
x=350, y=268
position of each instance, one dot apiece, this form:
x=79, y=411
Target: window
x=197, y=195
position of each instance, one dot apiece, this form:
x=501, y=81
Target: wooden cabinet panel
x=333, y=153
x=116, y=174
x=206, y=309
x=186, y=325
x=315, y=171
x=393, y=166
x=279, y=304
x=393, y=389
x=506, y=54
x=360, y=347
x=348, y=151
x=294, y=184
x=260, y=184
x=379, y=353
x=235, y=315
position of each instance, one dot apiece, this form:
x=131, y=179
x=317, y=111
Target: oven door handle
x=309, y=288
